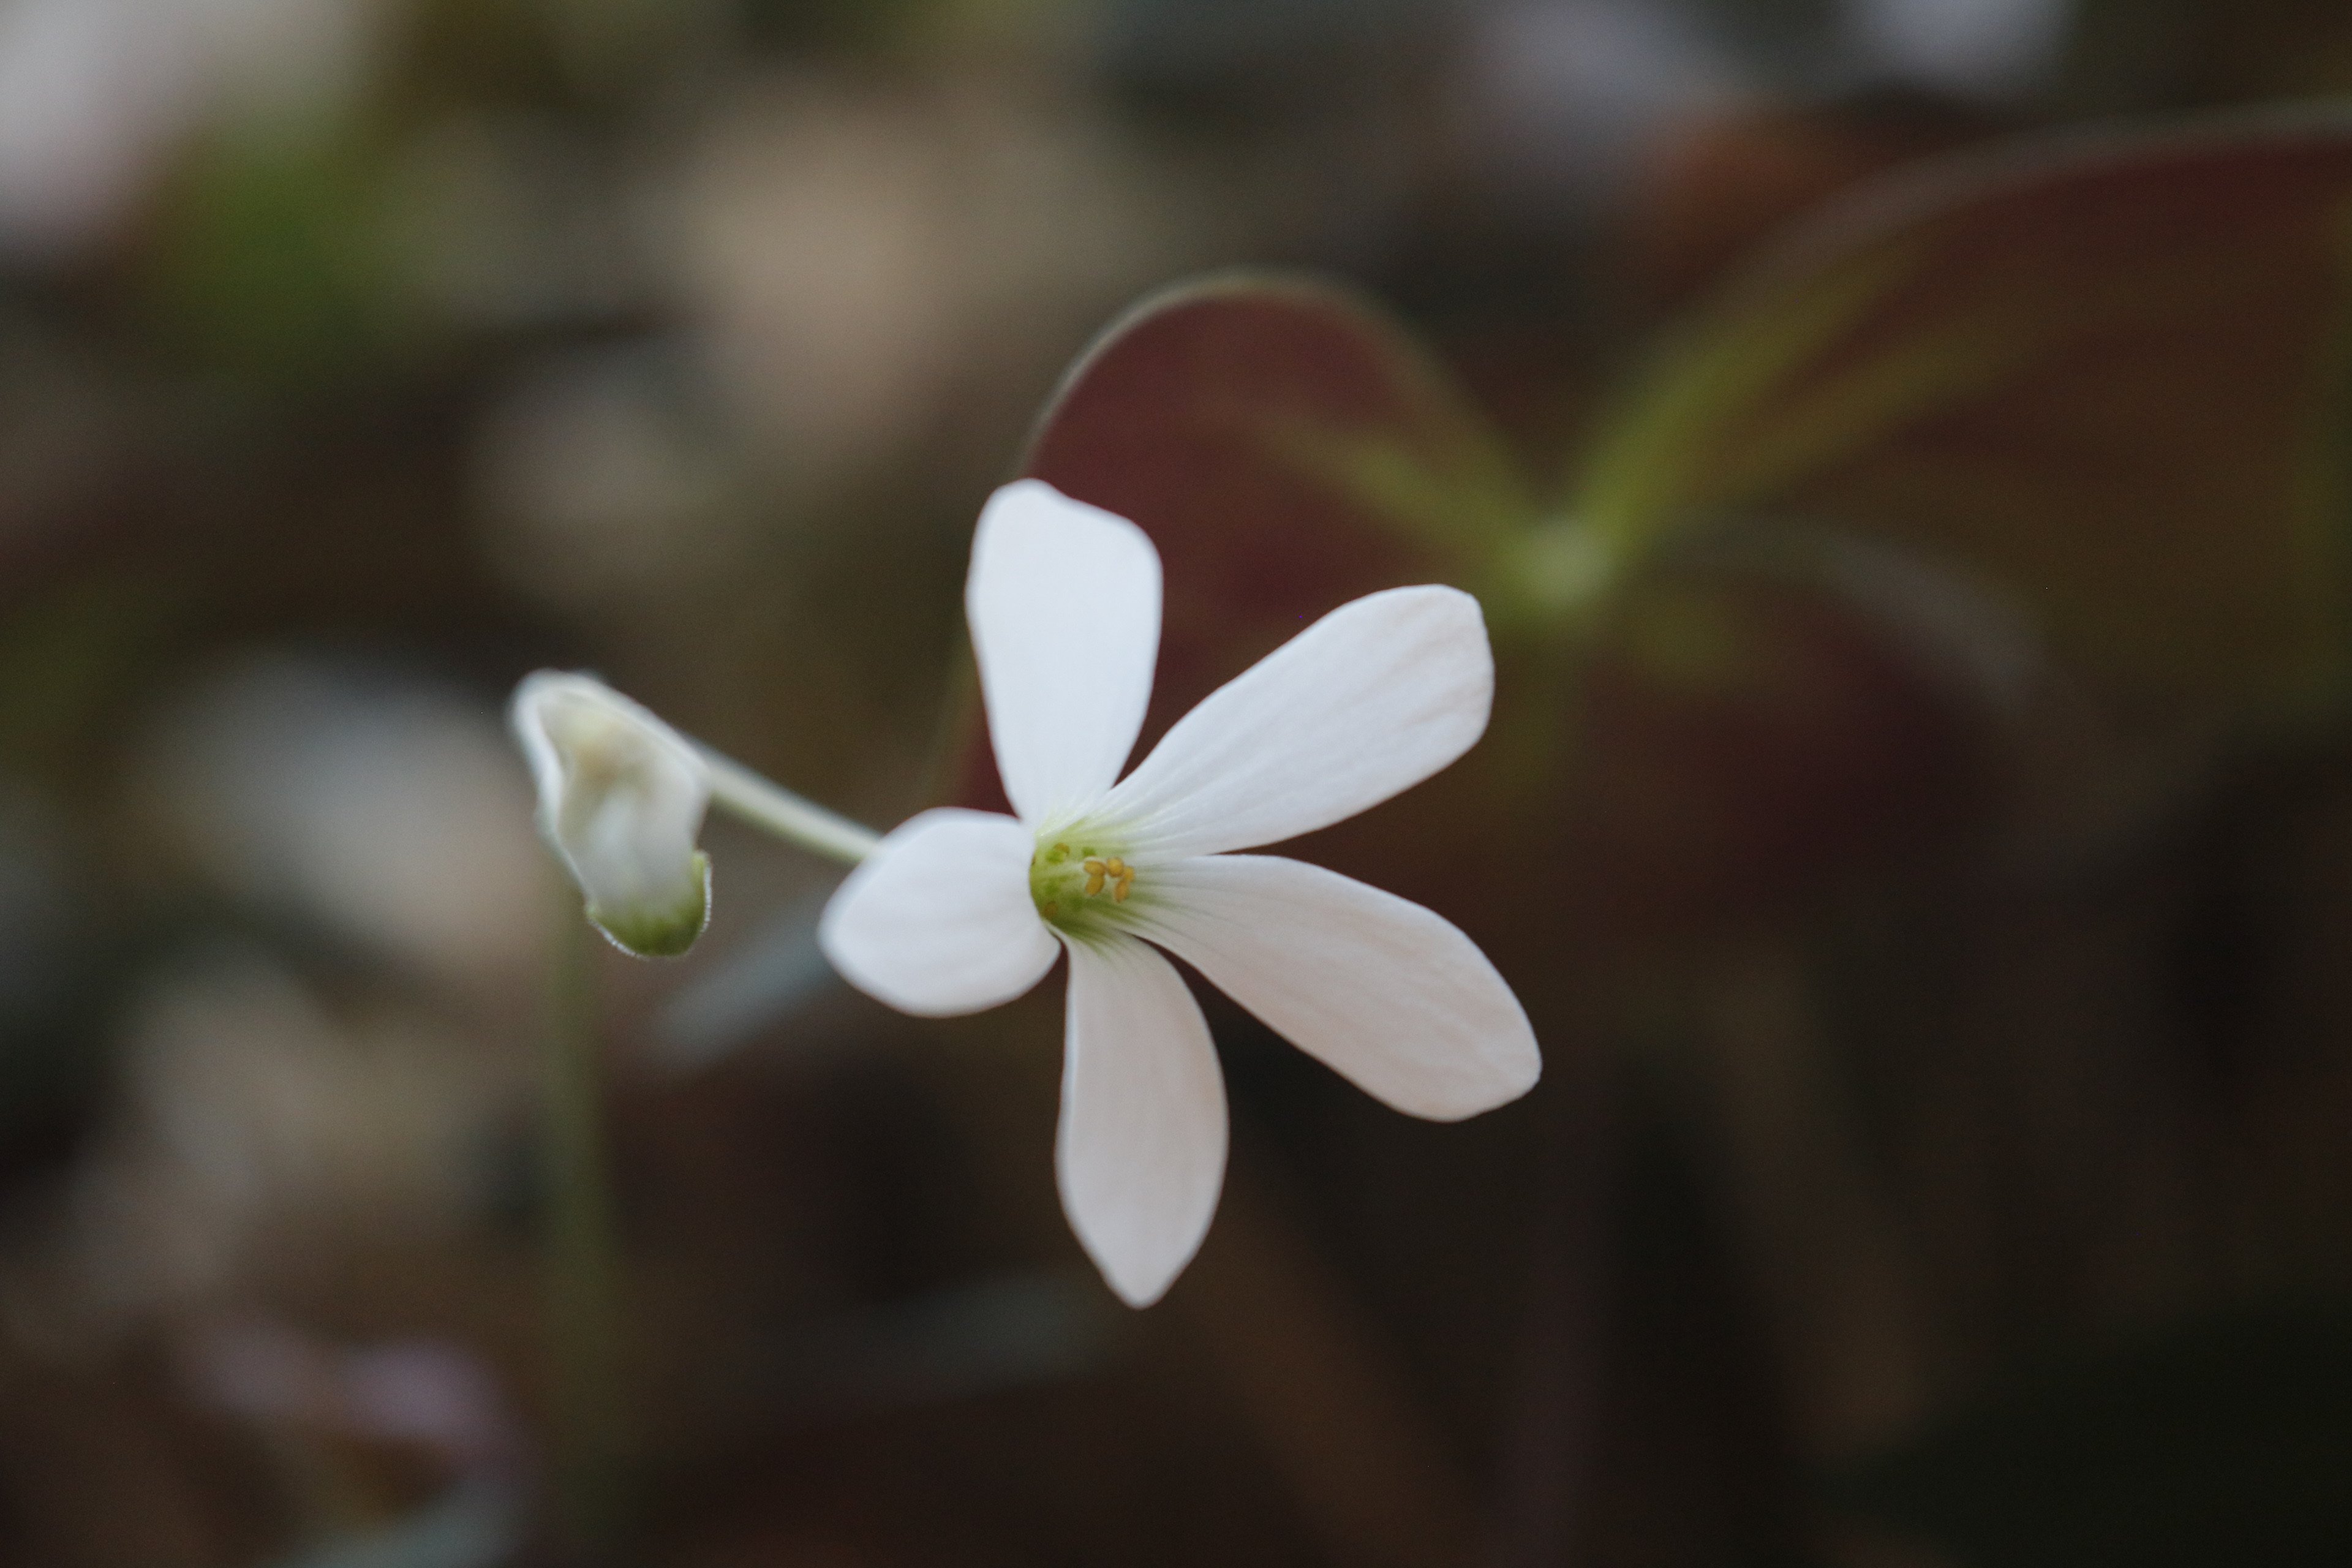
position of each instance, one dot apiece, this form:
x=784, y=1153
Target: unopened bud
x=621, y=797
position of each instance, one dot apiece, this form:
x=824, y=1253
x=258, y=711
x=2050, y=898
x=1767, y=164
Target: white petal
x=1382, y=991
x=621, y=798
x=939, y=921
x=1063, y=603
x=1141, y=1152
x=1368, y=701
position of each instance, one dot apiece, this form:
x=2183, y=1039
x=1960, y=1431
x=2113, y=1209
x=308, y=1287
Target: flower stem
x=582, y=1264
x=764, y=803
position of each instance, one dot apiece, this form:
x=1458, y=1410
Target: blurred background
x=1945, y=1155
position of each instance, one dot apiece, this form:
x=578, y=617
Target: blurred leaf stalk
x=590, y=1448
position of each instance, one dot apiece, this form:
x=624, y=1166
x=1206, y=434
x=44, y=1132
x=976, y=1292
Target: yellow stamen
x=1094, y=883
x=1126, y=882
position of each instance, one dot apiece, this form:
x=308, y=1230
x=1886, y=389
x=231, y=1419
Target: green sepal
x=661, y=933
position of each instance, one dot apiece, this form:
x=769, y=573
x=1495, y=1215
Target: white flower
x=958, y=911
x=621, y=797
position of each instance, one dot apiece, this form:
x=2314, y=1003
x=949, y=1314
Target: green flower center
x=1081, y=888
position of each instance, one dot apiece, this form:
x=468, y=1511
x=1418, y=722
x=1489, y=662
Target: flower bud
x=621, y=797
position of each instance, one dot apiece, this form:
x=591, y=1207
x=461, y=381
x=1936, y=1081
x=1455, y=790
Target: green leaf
x=2105, y=374
x=1289, y=448
x=272, y=262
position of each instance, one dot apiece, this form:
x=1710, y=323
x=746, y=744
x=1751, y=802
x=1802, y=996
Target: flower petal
x=1367, y=702
x=1141, y=1152
x=1390, y=995
x=937, y=920
x=1064, y=603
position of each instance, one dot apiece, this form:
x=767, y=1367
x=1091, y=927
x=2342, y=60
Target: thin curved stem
x=765, y=803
